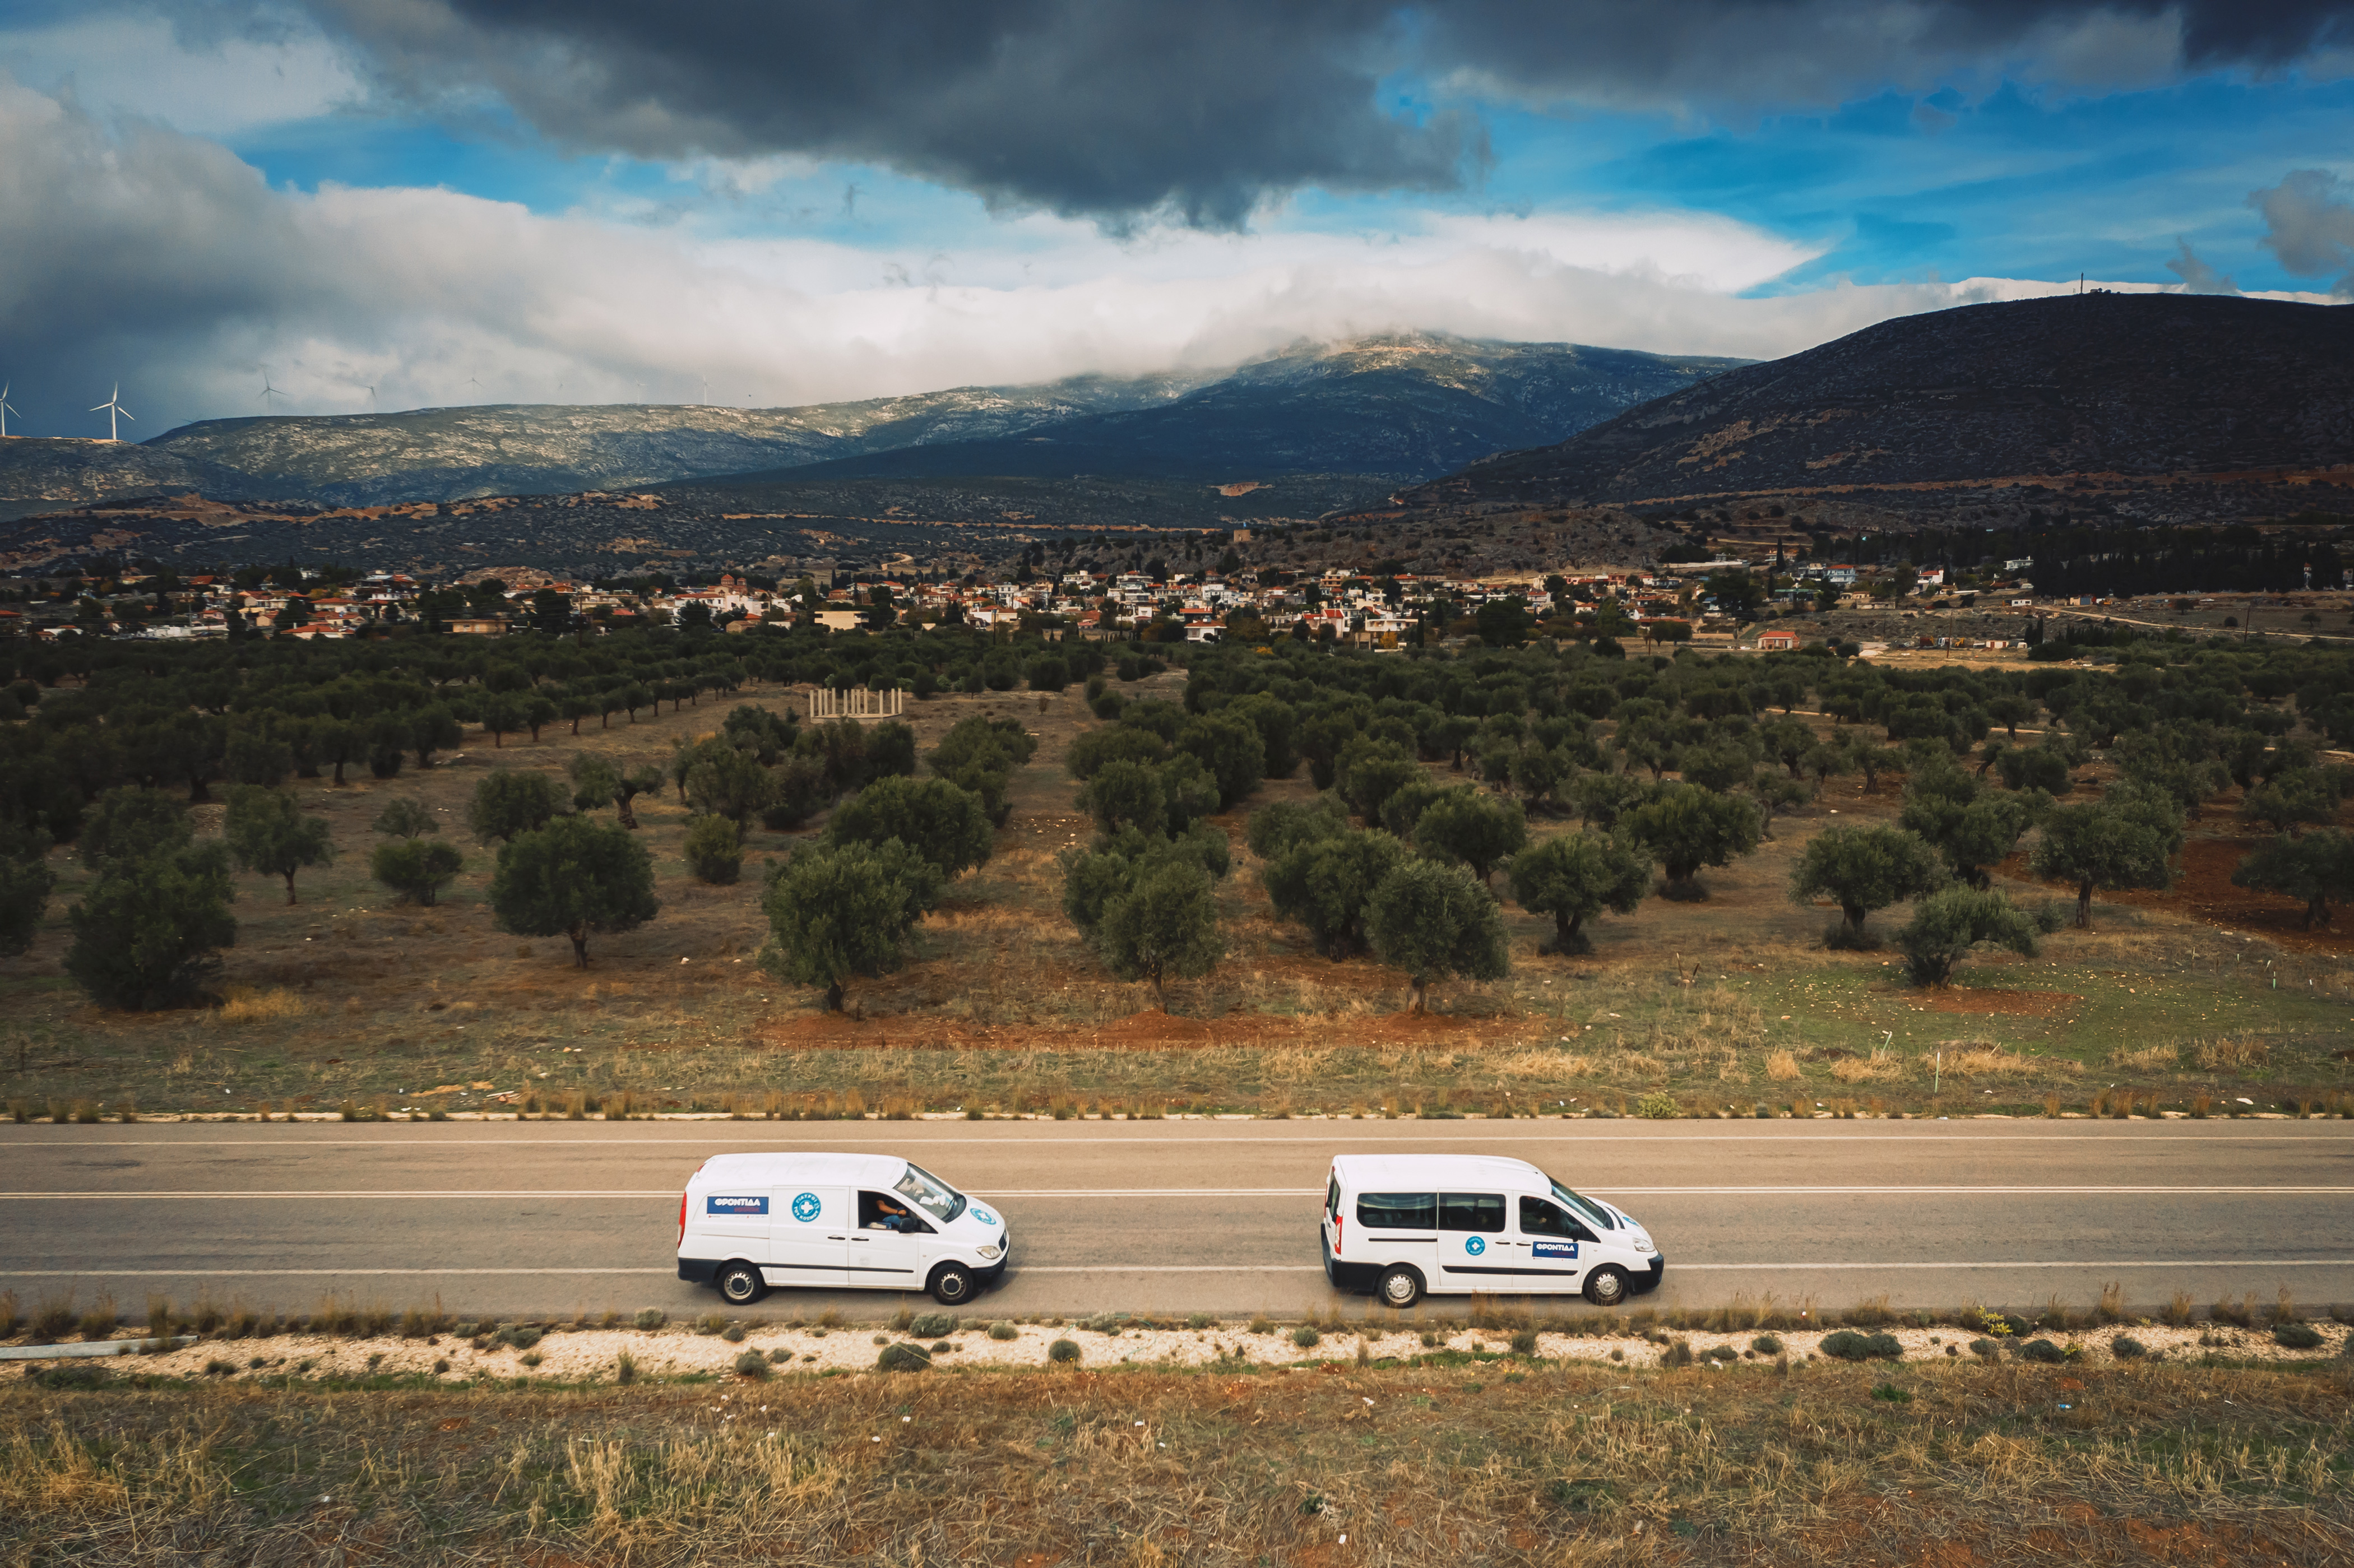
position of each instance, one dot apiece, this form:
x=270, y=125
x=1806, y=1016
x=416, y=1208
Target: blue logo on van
x=759, y=1205
x=1556, y=1249
x=806, y=1207
x=1475, y=1245
x=984, y=1216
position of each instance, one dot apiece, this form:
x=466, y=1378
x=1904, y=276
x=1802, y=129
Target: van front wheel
x=952, y=1285
x=741, y=1283
x=1400, y=1287
x=1606, y=1286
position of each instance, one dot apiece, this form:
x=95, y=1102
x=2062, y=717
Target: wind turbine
x=268, y=391
x=6, y=408
x=371, y=392
x=113, y=406
x=476, y=383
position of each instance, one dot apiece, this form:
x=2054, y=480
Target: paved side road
x=531, y=1218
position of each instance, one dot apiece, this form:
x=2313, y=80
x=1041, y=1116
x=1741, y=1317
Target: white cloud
x=130, y=63
x=160, y=259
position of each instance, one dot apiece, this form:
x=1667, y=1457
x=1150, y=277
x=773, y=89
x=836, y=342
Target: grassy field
x=2187, y=1001
x=1446, y=1457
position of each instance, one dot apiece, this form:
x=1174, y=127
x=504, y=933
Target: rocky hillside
x=438, y=454
x=1395, y=410
x=2101, y=385
x=41, y=474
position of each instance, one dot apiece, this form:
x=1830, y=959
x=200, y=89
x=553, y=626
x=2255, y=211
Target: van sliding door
x=809, y=1236
x=1470, y=1229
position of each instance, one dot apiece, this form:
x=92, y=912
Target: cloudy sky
x=404, y=203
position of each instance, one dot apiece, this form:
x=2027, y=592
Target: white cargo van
x=1400, y=1225
x=872, y=1222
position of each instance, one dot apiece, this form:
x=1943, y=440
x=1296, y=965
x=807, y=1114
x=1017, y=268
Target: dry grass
x=1781, y=1066
x=1446, y=1462
x=2148, y=1058
x=2236, y=1052
x=1882, y=1067
x=1988, y=1061
x=246, y=1005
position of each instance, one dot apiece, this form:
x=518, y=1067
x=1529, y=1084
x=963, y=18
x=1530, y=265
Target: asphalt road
x=530, y=1218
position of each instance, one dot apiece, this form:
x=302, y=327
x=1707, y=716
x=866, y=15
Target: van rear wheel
x=741, y=1283
x=1607, y=1286
x=1400, y=1287
x=952, y=1285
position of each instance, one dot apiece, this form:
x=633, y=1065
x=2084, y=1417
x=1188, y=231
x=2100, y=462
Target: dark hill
x=2134, y=385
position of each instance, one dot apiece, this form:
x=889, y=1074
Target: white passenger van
x=1399, y=1224
x=873, y=1222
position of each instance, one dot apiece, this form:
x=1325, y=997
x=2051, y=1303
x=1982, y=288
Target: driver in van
x=888, y=1215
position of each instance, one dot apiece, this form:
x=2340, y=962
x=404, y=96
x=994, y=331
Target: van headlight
x=1643, y=1246
x=989, y=1251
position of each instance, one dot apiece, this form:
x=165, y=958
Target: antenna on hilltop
x=2080, y=285
x=112, y=407
x=6, y=408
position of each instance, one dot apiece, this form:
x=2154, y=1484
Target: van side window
x=889, y=1211
x=1539, y=1218
x=1471, y=1212
x=1332, y=1198
x=1397, y=1211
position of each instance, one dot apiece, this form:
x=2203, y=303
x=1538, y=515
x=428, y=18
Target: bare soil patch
x=2015, y=1004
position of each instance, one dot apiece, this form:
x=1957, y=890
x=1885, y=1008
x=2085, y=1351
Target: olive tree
x=26, y=880
x=1475, y=829
x=1687, y=827
x=406, y=817
x=267, y=832
x=1162, y=924
x=2316, y=867
x=507, y=804
x=1864, y=869
x=573, y=877
x=2126, y=840
x=1436, y=922
x=1327, y=884
x=148, y=931
x=839, y=912
x=1574, y=878
x=414, y=869
x=944, y=824
x=1946, y=924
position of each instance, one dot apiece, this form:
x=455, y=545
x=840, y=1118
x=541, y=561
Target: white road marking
x=2193, y=1131
x=1975, y=1265
x=999, y=1194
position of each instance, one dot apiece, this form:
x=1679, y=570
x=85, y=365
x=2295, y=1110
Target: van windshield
x=931, y=1194
x=1586, y=1206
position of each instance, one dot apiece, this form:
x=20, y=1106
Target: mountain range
x=1385, y=411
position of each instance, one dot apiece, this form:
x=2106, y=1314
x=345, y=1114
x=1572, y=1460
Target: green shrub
x=1306, y=1337
x=904, y=1358
x=2042, y=1350
x=1659, y=1105
x=1003, y=1331
x=522, y=1335
x=932, y=1325
x=1200, y=1320
x=1524, y=1342
x=2297, y=1337
x=1985, y=1349
x=1766, y=1345
x=1847, y=1345
x=754, y=1365
x=1678, y=1354
x=2126, y=1348
x=714, y=850
x=1888, y=1392
x=1064, y=1350
x=733, y=1333
x=651, y=1317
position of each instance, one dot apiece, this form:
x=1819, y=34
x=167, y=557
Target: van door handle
x=858, y=1238
x=837, y=1238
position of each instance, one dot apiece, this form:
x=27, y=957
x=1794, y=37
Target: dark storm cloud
x=1118, y=111
x=1079, y=106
